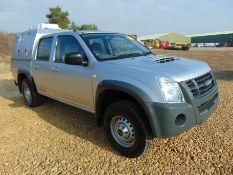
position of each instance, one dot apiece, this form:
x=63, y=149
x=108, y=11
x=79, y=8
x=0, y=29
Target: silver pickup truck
x=134, y=93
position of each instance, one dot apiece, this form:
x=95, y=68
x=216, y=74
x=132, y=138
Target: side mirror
x=75, y=59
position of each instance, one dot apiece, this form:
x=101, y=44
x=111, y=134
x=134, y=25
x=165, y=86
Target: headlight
x=171, y=90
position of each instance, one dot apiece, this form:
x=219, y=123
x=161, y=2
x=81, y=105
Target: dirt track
x=58, y=139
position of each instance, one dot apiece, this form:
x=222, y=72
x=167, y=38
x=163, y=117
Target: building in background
x=171, y=37
x=172, y=40
x=217, y=37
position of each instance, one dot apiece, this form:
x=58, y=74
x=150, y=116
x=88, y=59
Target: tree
x=73, y=26
x=57, y=16
x=88, y=27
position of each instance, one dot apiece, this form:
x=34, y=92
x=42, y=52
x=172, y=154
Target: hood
x=177, y=68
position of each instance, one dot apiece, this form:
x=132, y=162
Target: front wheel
x=125, y=128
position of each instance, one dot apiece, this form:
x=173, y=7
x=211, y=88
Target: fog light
x=180, y=120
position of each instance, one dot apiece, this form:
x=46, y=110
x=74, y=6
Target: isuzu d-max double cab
x=134, y=93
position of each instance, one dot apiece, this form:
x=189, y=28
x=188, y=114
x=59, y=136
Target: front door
x=71, y=83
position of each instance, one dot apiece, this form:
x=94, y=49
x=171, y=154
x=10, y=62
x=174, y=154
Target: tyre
x=30, y=95
x=125, y=128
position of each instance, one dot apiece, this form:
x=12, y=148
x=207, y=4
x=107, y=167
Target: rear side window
x=44, y=49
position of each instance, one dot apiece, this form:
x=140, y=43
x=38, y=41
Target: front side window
x=44, y=49
x=107, y=46
x=67, y=45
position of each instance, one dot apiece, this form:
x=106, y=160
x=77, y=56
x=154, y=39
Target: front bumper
x=195, y=111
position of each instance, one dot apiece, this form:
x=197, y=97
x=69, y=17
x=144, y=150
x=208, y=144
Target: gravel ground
x=58, y=139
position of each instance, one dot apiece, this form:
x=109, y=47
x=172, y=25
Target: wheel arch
x=24, y=74
x=121, y=90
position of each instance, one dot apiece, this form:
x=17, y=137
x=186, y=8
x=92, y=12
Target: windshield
x=113, y=46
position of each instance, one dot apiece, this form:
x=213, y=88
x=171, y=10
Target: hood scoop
x=165, y=60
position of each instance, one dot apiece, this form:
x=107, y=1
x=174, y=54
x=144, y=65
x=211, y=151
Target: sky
x=141, y=17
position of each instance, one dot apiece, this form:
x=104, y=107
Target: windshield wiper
x=129, y=55
x=147, y=53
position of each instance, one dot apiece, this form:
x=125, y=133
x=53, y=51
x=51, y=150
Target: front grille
x=201, y=85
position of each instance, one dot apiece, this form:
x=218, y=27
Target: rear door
x=71, y=83
x=41, y=70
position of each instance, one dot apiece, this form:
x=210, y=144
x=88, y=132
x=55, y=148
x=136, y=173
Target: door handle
x=35, y=66
x=55, y=69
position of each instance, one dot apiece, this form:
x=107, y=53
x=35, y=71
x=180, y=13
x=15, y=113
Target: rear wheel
x=30, y=95
x=125, y=128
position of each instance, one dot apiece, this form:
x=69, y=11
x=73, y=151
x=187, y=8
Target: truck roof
x=25, y=42
x=92, y=31
x=44, y=29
